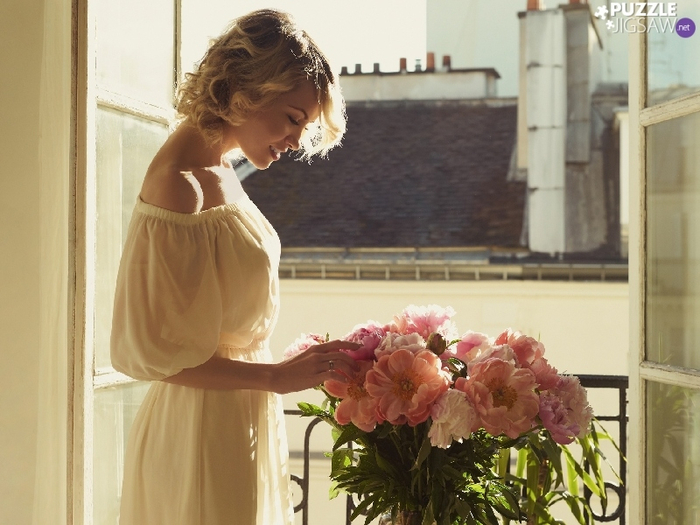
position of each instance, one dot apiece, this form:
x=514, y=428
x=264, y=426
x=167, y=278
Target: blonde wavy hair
x=261, y=56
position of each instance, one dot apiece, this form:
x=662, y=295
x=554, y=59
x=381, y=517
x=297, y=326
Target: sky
x=361, y=31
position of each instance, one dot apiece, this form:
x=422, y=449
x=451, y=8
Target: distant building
x=438, y=176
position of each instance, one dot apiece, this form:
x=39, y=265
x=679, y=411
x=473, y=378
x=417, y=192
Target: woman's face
x=268, y=133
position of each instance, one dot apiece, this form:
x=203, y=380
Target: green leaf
x=348, y=434
x=503, y=500
x=503, y=462
x=520, y=464
x=572, y=477
x=423, y=453
x=333, y=491
x=585, y=476
x=574, y=504
x=340, y=459
x=309, y=409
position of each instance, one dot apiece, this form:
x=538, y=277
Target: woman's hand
x=314, y=366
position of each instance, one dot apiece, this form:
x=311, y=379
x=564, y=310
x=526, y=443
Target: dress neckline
x=212, y=213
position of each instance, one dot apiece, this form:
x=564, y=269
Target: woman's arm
x=305, y=370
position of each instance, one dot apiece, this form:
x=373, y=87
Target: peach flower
x=504, y=396
x=486, y=352
x=406, y=385
x=530, y=354
x=356, y=406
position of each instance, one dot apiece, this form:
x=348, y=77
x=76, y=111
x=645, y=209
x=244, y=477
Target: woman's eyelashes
x=293, y=120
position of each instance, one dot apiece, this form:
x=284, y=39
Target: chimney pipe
x=402, y=64
x=447, y=62
x=534, y=5
x=358, y=69
x=430, y=62
x=376, y=68
x=344, y=70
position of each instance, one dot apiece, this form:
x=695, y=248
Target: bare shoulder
x=174, y=190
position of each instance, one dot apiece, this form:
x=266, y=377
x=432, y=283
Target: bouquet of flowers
x=424, y=430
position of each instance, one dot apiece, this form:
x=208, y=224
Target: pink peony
x=369, y=335
x=454, y=419
x=530, y=354
x=356, y=406
x=469, y=346
x=394, y=341
x=564, y=410
x=302, y=344
x=504, y=396
x=406, y=385
x=424, y=320
x=485, y=352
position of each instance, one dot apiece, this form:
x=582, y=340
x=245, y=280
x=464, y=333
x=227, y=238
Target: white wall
x=34, y=170
x=583, y=325
x=440, y=85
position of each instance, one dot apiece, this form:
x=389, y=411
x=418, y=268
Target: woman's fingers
x=337, y=344
x=337, y=363
x=318, y=364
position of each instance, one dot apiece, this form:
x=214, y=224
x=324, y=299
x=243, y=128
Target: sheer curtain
x=54, y=153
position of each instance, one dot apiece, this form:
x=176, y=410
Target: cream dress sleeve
x=186, y=278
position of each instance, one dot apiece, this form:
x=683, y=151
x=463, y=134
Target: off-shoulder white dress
x=191, y=286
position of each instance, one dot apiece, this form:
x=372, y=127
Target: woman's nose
x=294, y=138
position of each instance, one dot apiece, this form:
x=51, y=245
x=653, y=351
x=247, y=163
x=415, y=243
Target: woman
x=197, y=290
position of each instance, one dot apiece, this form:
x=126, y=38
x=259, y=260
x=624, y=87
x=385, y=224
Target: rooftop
x=416, y=174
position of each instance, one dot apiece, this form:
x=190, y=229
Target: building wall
x=440, y=85
x=584, y=326
x=35, y=62
x=484, y=33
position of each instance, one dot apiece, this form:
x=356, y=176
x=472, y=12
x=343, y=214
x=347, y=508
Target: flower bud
x=436, y=342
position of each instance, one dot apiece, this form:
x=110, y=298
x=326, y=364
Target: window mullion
x=108, y=377
x=131, y=106
x=675, y=108
x=637, y=292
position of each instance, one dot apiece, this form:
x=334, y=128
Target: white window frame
x=85, y=379
x=641, y=370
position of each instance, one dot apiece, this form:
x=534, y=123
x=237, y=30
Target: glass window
x=134, y=77
x=673, y=237
x=136, y=49
x=115, y=409
x=672, y=60
x=125, y=147
x=673, y=455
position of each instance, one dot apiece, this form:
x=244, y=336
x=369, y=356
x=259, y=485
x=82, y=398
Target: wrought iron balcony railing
x=615, y=412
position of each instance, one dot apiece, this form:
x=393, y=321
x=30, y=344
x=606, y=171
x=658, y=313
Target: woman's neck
x=190, y=149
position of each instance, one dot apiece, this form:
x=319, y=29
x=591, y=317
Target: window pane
x=135, y=49
x=115, y=409
x=671, y=59
x=673, y=455
x=673, y=242
x=125, y=147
